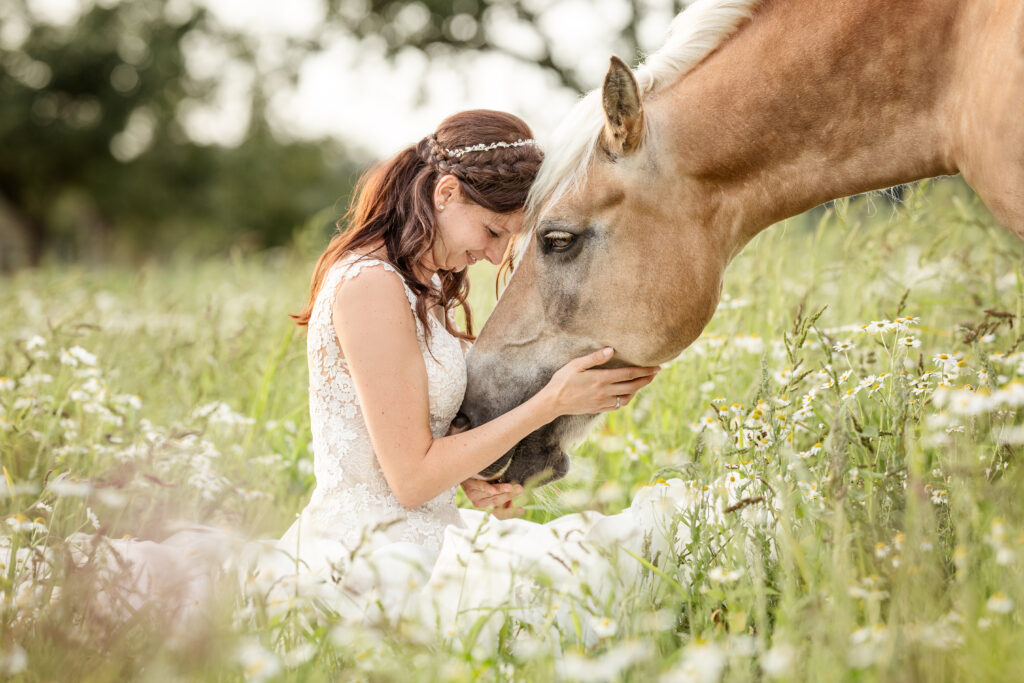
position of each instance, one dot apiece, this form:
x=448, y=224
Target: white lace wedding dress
x=353, y=528
x=356, y=553
x=352, y=504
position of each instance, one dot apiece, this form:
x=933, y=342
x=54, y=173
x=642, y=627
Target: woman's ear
x=446, y=191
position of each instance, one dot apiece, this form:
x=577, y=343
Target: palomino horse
x=752, y=112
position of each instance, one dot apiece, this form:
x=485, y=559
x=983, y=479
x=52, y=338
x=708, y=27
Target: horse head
x=617, y=257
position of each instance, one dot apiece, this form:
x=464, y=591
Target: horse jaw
x=501, y=378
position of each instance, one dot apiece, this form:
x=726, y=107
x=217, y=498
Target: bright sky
x=378, y=106
x=381, y=106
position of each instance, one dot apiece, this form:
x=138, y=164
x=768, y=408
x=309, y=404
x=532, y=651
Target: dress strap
x=352, y=264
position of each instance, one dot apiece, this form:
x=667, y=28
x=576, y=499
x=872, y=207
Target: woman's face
x=467, y=232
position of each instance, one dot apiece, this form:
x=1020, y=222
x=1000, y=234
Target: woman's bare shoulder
x=377, y=333
x=374, y=287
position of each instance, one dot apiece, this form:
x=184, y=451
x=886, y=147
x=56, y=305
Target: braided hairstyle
x=393, y=203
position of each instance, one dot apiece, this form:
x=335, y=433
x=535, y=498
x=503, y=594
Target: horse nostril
x=460, y=424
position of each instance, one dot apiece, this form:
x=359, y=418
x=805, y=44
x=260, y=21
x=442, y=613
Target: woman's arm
x=377, y=333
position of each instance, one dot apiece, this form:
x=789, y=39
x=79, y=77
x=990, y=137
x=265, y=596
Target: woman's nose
x=496, y=252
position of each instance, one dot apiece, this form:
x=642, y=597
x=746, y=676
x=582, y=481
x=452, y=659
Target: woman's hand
x=498, y=498
x=578, y=388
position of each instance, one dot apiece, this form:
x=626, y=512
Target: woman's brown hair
x=393, y=203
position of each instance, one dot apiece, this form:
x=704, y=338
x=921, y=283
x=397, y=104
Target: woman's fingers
x=621, y=403
x=508, y=512
x=627, y=374
x=496, y=501
x=622, y=388
x=484, y=494
x=621, y=393
x=476, y=490
x=487, y=487
x=618, y=401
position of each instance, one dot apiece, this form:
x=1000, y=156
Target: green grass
x=898, y=535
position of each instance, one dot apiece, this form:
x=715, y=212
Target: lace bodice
x=352, y=499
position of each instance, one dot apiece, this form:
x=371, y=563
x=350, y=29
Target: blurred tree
x=94, y=154
x=467, y=26
x=96, y=147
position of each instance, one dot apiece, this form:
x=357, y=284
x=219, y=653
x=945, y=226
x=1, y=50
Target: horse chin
x=497, y=469
x=541, y=457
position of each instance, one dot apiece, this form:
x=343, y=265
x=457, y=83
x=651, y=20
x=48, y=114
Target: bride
x=386, y=359
x=386, y=365
x=382, y=539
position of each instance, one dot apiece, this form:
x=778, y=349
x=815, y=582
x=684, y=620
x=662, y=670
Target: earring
x=440, y=207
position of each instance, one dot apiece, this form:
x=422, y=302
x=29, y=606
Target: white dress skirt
x=356, y=554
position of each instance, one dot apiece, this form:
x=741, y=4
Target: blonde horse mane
x=693, y=35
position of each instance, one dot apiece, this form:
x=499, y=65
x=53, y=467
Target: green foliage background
x=79, y=182
x=897, y=550
x=96, y=164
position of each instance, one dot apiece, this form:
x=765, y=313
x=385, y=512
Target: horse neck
x=814, y=100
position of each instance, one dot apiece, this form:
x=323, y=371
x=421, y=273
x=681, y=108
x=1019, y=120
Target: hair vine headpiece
x=484, y=147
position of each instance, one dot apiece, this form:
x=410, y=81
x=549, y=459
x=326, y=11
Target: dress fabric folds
x=355, y=553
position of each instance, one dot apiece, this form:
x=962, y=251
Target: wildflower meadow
x=859, y=393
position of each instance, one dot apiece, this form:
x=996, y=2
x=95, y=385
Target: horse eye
x=559, y=241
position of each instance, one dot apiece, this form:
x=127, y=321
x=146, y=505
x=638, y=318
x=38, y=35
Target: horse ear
x=623, y=111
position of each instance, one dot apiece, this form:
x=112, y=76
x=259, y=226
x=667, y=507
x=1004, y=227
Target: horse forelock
x=694, y=34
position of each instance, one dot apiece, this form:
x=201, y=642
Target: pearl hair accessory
x=484, y=147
